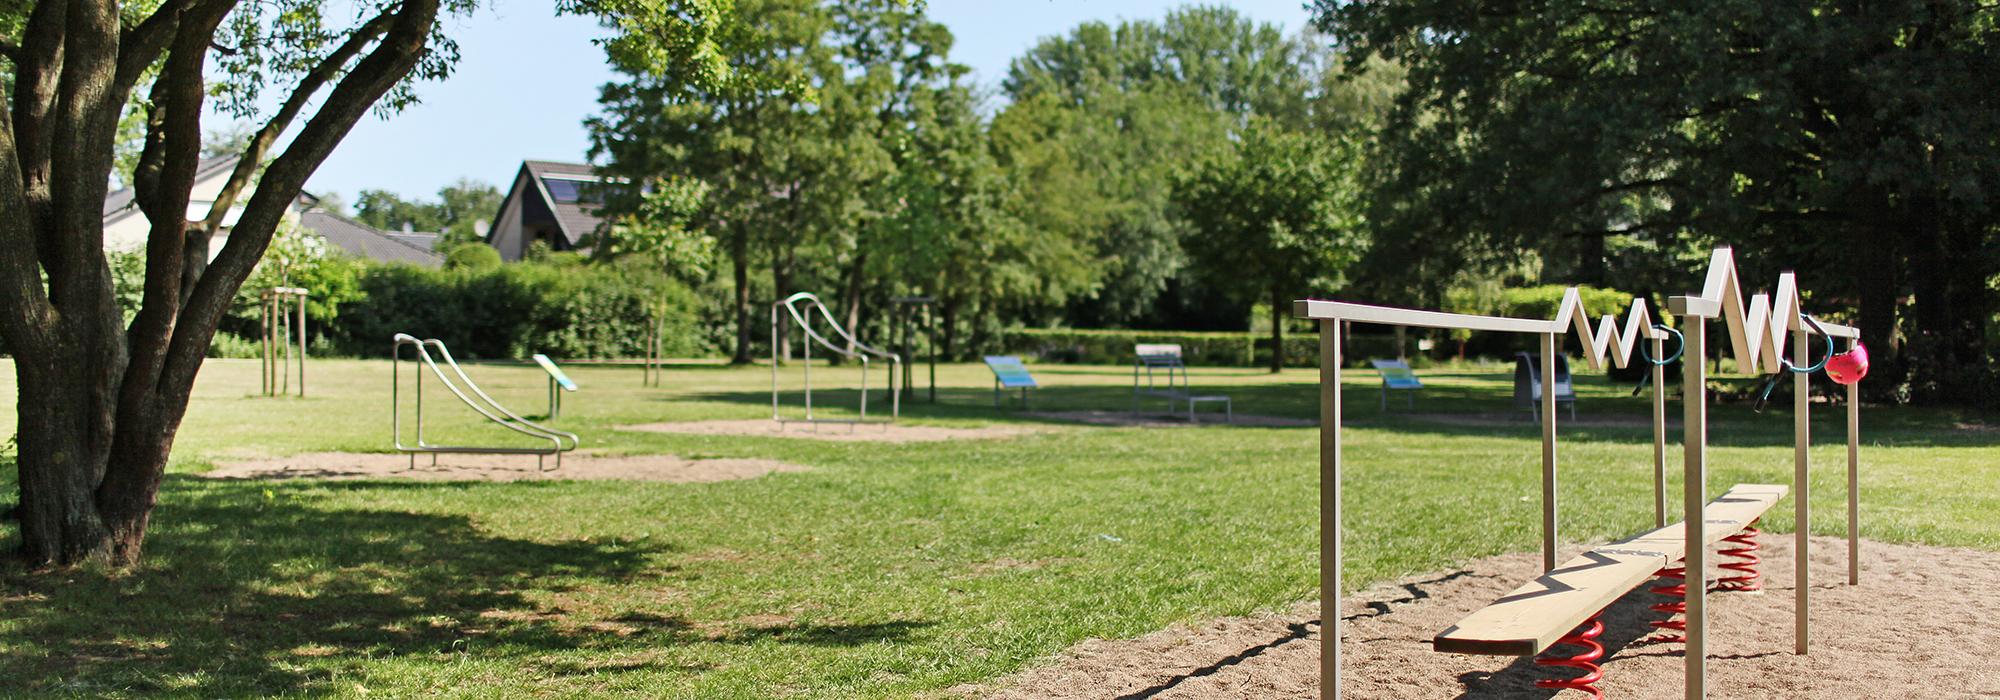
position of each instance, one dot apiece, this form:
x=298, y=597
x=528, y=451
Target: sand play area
x=1919, y=625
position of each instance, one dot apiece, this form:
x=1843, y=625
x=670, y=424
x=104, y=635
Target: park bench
x=1528, y=383
x=557, y=380
x=1542, y=613
x=1009, y=373
x=1396, y=374
x=1166, y=357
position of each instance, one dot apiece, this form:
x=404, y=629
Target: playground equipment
x=559, y=441
x=1396, y=374
x=1528, y=382
x=279, y=305
x=912, y=314
x=1561, y=606
x=557, y=380
x=801, y=307
x=1167, y=357
x=1009, y=373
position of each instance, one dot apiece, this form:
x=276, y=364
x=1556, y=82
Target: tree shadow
x=249, y=591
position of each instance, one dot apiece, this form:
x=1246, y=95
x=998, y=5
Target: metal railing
x=855, y=350
x=559, y=441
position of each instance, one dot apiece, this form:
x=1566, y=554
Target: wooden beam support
x=1801, y=485
x=1548, y=408
x=1329, y=508
x=1694, y=447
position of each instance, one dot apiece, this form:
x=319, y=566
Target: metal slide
x=800, y=306
x=559, y=441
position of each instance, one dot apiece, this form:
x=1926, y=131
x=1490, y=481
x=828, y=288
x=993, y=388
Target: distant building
x=551, y=202
x=126, y=228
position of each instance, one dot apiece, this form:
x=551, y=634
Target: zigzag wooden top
x=1758, y=333
x=1530, y=618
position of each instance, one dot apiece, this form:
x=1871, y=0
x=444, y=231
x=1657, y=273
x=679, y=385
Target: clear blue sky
x=527, y=79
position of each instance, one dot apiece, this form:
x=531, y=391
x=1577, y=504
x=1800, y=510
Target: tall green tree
x=1857, y=142
x=454, y=215
x=1276, y=218
x=1131, y=104
x=101, y=399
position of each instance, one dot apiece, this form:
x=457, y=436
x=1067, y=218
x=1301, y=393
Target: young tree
x=1277, y=217
x=100, y=400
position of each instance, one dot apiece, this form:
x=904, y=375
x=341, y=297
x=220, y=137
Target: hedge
x=1212, y=349
x=512, y=311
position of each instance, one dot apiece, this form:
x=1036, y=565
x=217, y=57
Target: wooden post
x=301, y=298
x=264, y=343
x=1694, y=448
x=1801, y=489
x=1659, y=435
x=1548, y=385
x=1329, y=508
x=1853, y=477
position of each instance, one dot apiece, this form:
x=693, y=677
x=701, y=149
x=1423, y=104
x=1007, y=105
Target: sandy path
x=1164, y=420
x=480, y=467
x=1919, y=625
x=881, y=432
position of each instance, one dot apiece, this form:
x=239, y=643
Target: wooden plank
x=1364, y=313
x=1531, y=618
x=1329, y=508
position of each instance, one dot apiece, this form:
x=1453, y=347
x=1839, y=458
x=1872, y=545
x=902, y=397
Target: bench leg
x=1745, y=565
x=1585, y=638
x=1672, y=631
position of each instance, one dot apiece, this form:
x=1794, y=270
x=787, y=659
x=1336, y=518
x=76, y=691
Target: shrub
x=472, y=256
x=231, y=346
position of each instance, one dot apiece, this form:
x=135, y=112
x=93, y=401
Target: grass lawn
x=886, y=571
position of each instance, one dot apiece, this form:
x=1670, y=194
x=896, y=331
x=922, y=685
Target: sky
x=526, y=79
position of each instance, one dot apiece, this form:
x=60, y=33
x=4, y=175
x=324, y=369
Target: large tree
x=1856, y=141
x=1275, y=219
x=100, y=400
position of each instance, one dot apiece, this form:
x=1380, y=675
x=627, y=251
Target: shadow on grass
x=247, y=591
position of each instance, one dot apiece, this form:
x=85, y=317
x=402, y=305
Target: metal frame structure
x=559, y=441
x=1757, y=333
x=558, y=383
x=278, y=305
x=800, y=308
x=1151, y=356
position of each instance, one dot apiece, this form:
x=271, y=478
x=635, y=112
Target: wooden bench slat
x=1532, y=617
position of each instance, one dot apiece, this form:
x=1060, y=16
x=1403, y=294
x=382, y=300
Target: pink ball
x=1848, y=367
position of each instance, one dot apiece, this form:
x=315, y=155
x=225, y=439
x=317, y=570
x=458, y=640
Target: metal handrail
x=511, y=421
x=860, y=351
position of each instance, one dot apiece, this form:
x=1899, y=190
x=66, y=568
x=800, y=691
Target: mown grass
x=886, y=571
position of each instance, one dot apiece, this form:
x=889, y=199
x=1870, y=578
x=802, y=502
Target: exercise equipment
x=559, y=441
x=803, y=308
x=557, y=380
x=280, y=305
x=1567, y=598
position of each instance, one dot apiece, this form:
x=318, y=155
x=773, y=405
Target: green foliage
x=1543, y=301
x=1114, y=347
x=458, y=208
x=231, y=346
x=1277, y=218
x=1836, y=140
x=566, y=310
x=300, y=258
x=476, y=257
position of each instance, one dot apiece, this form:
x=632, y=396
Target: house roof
x=119, y=204
x=576, y=218
x=363, y=241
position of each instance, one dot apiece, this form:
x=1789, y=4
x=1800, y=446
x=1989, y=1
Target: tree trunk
x=948, y=316
x=853, y=296
x=781, y=280
x=739, y=260
x=1278, y=307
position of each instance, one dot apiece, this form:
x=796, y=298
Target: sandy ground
x=1919, y=625
x=478, y=467
x=874, y=432
x=1165, y=420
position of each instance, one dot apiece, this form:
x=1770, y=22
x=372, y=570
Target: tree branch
x=387, y=64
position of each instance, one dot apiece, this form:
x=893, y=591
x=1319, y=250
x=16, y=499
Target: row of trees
x=1615, y=142
x=859, y=163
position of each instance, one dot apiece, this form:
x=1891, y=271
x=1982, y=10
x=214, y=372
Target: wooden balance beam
x=1531, y=618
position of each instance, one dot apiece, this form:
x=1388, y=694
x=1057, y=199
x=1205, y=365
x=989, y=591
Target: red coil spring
x=1584, y=637
x=1672, y=630
x=1745, y=553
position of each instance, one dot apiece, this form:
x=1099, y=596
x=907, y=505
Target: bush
x=1215, y=349
x=472, y=256
x=512, y=311
x=231, y=346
